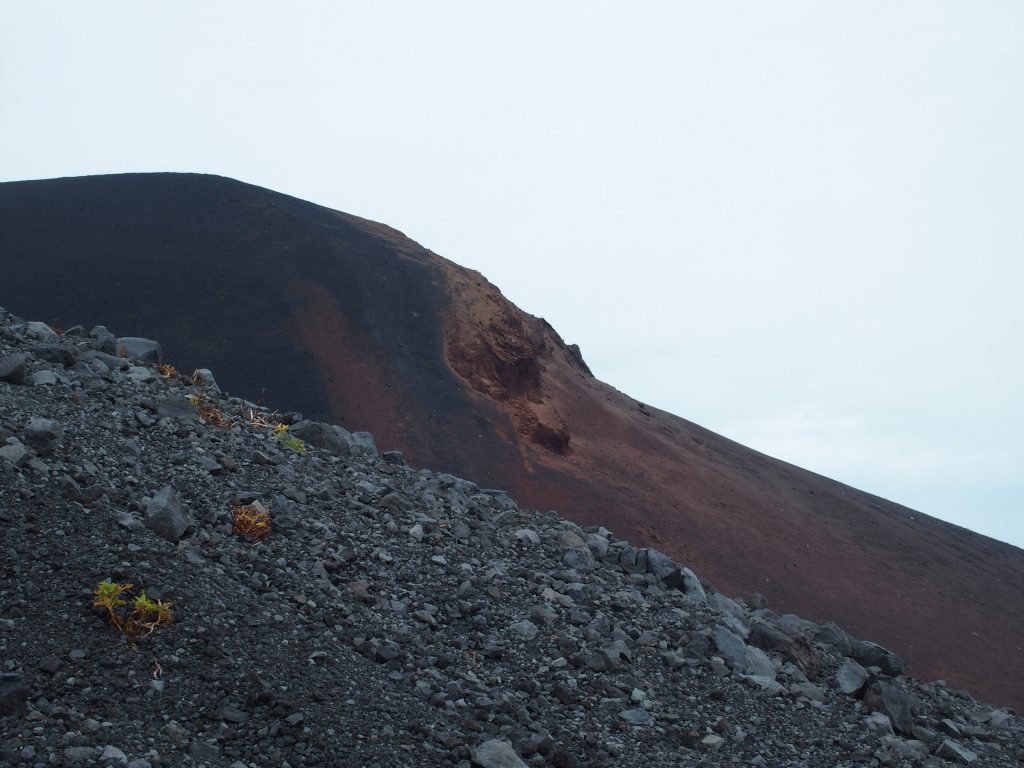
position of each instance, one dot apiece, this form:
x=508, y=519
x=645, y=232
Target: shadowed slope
x=349, y=320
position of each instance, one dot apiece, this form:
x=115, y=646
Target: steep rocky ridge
x=390, y=616
x=347, y=320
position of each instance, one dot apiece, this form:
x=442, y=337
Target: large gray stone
x=327, y=437
x=795, y=648
x=104, y=340
x=873, y=655
x=580, y=559
x=363, y=444
x=497, y=753
x=54, y=353
x=138, y=348
x=693, y=587
x=638, y=716
x=14, y=368
x=850, y=677
x=731, y=647
x=178, y=407
x=165, y=515
x=834, y=636
x=13, y=451
x=40, y=331
x=43, y=435
x=956, y=752
x=887, y=697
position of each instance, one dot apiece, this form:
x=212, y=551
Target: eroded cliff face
x=504, y=354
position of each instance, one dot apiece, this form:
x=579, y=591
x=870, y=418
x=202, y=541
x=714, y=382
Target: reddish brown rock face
x=343, y=319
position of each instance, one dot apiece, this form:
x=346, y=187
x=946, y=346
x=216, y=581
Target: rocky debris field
x=375, y=614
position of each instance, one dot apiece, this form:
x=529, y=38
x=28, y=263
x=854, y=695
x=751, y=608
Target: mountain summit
x=298, y=306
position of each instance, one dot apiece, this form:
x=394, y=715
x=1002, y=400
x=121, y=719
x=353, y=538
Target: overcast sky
x=800, y=224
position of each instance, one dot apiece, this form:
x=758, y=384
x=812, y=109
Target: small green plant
x=288, y=441
x=297, y=445
x=141, y=618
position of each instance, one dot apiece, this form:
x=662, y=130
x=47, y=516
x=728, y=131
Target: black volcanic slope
x=302, y=307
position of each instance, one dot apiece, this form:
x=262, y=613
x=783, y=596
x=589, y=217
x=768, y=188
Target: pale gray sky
x=799, y=224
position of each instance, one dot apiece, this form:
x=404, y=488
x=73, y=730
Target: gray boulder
x=138, y=348
x=327, y=437
x=873, y=655
x=14, y=368
x=363, y=444
x=43, y=435
x=40, y=331
x=955, y=752
x=693, y=587
x=851, y=677
x=795, y=648
x=165, y=515
x=579, y=558
x=103, y=340
x=834, y=636
x=203, y=377
x=178, y=407
x=598, y=545
x=54, y=353
x=638, y=716
x=13, y=451
x=497, y=753
x=887, y=697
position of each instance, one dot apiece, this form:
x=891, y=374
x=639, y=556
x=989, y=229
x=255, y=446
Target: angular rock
x=579, y=559
x=526, y=629
x=178, y=407
x=887, y=697
x=794, y=648
x=638, y=716
x=42, y=378
x=328, y=437
x=40, y=331
x=497, y=753
x=527, y=536
x=54, y=353
x=203, y=377
x=873, y=655
x=14, y=452
x=113, y=755
x=851, y=677
x=693, y=587
x=363, y=444
x=834, y=636
x=598, y=545
x=665, y=568
x=138, y=348
x=14, y=368
x=43, y=435
x=955, y=752
x=165, y=515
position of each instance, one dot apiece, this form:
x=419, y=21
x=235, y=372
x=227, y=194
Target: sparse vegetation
x=168, y=371
x=135, y=618
x=288, y=441
x=209, y=413
x=251, y=520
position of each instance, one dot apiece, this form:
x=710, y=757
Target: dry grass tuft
x=252, y=520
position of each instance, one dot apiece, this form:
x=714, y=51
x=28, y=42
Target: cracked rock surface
x=391, y=617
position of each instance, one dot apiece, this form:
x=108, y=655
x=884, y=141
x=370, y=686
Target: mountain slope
x=349, y=321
